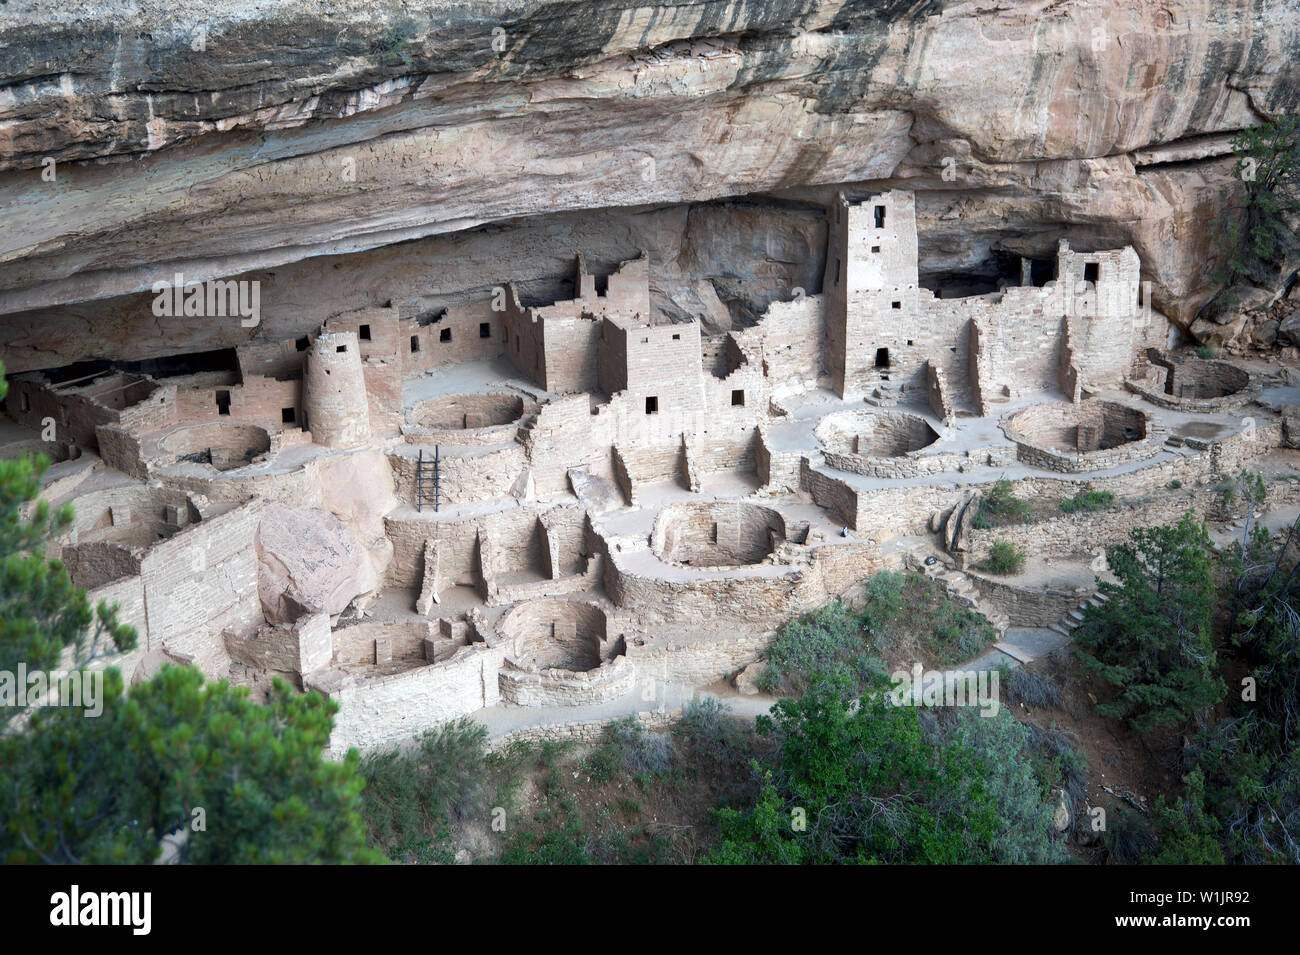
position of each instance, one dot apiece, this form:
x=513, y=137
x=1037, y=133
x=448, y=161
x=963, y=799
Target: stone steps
x=959, y=587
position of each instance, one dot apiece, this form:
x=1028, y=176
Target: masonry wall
x=454, y=336
x=383, y=711
x=516, y=533
x=201, y=582
x=466, y=475
x=791, y=340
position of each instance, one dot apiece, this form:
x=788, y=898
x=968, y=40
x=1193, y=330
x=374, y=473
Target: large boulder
x=359, y=490
x=308, y=562
x=1289, y=329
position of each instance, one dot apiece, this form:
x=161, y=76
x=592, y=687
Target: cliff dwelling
x=431, y=519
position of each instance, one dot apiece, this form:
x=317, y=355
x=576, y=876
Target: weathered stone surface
x=1289, y=329
x=746, y=681
x=308, y=563
x=358, y=490
x=1108, y=120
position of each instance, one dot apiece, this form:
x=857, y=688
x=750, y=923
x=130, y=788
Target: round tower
x=334, y=393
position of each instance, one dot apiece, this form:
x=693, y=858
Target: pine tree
x=1151, y=640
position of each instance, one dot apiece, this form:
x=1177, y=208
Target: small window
x=364, y=333
x=895, y=304
x=223, y=402
x=645, y=341
x=909, y=341
x=287, y=415
x=875, y=250
x=415, y=343
x=444, y=335
x=880, y=217
x=301, y=344
x=484, y=329
x=341, y=349
x=677, y=338
x=882, y=357
x=738, y=398
x=1092, y=272
x=652, y=404
x=837, y=271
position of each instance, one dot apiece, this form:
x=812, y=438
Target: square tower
x=871, y=289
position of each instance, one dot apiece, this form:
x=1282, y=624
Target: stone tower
x=871, y=288
x=337, y=407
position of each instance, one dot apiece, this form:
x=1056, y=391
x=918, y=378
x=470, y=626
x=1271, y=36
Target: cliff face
x=298, y=141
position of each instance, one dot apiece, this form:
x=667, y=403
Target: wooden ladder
x=428, y=485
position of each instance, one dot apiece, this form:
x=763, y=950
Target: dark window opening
x=677, y=338
x=444, y=335
x=738, y=398
x=875, y=250
x=364, y=333
x=484, y=329
x=909, y=341
x=882, y=357
x=301, y=344
x=223, y=402
x=287, y=415
x=1140, y=301
x=415, y=343
x=837, y=271
x=880, y=217
x=1092, y=272
x=341, y=349
x=895, y=304
x=1041, y=271
x=651, y=404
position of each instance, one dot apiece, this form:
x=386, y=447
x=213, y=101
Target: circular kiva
x=223, y=445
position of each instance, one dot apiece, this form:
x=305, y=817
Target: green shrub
x=830, y=640
x=1088, y=501
x=413, y=797
x=999, y=505
x=1004, y=559
x=1205, y=352
x=1174, y=485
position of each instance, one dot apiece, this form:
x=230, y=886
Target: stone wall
x=201, y=582
x=384, y=710
x=1026, y=606
x=466, y=475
